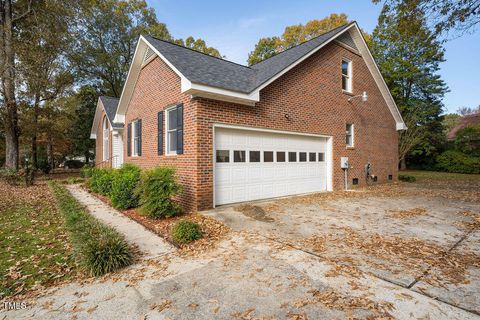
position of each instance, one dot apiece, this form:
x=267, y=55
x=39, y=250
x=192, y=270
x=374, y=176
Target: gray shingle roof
x=111, y=104
x=204, y=69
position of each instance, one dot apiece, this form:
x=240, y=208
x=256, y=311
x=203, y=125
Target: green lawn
x=34, y=248
x=442, y=176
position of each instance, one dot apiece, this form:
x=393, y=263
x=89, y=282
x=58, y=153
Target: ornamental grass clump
x=157, y=190
x=186, y=231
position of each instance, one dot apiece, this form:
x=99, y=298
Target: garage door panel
x=237, y=182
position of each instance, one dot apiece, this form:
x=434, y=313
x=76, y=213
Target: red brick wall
x=99, y=141
x=157, y=88
x=310, y=94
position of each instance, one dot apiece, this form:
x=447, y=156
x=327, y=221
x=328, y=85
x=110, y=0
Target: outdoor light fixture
x=364, y=97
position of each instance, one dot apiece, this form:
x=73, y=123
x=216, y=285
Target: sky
x=234, y=27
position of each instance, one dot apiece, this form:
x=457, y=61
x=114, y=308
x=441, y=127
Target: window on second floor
x=346, y=75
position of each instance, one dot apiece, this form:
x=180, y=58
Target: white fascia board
x=96, y=119
x=201, y=90
x=377, y=76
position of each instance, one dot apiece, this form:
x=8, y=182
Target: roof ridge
x=320, y=35
x=206, y=54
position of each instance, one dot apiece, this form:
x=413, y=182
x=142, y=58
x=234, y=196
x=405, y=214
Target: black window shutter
x=139, y=135
x=129, y=139
x=180, y=129
x=160, y=133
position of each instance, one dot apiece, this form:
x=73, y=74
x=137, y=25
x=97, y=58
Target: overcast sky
x=234, y=27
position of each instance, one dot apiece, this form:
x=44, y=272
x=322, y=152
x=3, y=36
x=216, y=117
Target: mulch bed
x=213, y=230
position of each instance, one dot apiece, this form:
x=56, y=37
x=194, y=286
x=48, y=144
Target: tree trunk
x=36, y=110
x=51, y=163
x=87, y=157
x=403, y=164
x=7, y=60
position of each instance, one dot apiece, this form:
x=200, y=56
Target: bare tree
x=465, y=111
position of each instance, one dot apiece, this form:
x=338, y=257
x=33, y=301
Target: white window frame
x=168, y=130
x=106, y=149
x=134, y=142
x=348, y=75
x=350, y=133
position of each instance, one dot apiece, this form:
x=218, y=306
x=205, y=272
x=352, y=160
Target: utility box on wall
x=344, y=163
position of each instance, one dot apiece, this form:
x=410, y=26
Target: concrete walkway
x=149, y=243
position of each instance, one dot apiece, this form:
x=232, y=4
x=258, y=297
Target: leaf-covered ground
x=34, y=249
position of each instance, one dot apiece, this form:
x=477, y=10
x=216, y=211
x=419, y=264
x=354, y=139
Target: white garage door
x=251, y=165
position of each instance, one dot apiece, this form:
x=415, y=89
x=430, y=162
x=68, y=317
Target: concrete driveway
x=387, y=253
x=417, y=240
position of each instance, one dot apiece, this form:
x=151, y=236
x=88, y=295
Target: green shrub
x=406, y=178
x=124, y=184
x=87, y=171
x=457, y=162
x=101, y=181
x=186, y=231
x=97, y=247
x=157, y=189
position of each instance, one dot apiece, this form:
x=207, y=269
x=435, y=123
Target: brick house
x=238, y=133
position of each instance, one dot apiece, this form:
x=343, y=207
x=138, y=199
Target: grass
x=442, y=176
x=34, y=249
x=98, y=248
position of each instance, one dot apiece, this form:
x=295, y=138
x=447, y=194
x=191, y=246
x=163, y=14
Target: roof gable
x=207, y=76
x=110, y=106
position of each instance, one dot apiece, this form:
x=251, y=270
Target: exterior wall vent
x=355, y=181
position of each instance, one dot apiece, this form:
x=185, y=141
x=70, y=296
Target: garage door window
x=292, y=157
x=223, y=156
x=280, y=156
x=254, y=156
x=268, y=156
x=321, y=157
x=238, y=156
x=312, y=157
x=302, y=157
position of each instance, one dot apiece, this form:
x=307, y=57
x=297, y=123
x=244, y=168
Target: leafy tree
x=84, y=103
x=198, y=45
x=408, y=55
x=449, y=121
x=457, y=15
x=11, y=15
x=105, y=38
x=467, y=140
x=295, y=35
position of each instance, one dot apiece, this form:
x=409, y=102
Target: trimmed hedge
x=101, y=181
x=186, y=231
x=124, y=183
x=157, y=189
x=98, y=248
x=457, y=162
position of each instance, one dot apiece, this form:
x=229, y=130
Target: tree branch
x=23, y=15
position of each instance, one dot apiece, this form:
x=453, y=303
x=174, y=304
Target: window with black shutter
x=160, y=133
x=129, y=139
x=174, y=129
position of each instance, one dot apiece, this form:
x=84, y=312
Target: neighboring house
x=277, y=128
x=467, y=120
x=108, y=134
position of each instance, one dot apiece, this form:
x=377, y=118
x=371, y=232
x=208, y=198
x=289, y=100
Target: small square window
x=254, y=156
x=390, y=177
x=223, y=156
x=268, y=156
x=238, y=156
x=302, y=156
x=355, y=181
x=321, y=157
x=280, y=156
x=292, y=157
x=312, y=157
